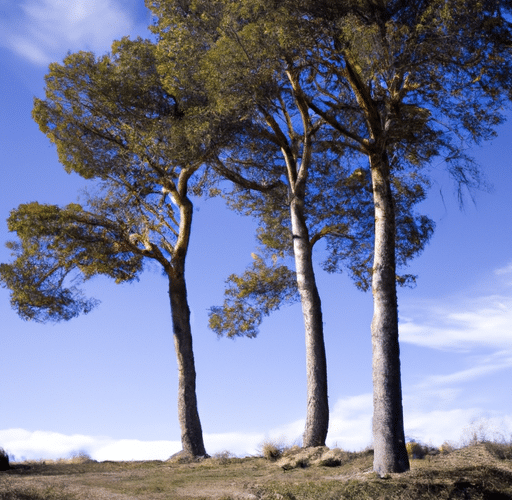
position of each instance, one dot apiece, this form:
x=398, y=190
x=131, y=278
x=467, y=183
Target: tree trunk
x=388, y=426
x=317, y=416
x=188, y=416
x=191, y=432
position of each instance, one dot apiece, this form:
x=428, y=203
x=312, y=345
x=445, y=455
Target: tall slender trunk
x=317, y=416
x=188, y=416
x=388, y=425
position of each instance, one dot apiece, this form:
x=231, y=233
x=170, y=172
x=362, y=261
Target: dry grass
x=480, y=471
x=273, y=449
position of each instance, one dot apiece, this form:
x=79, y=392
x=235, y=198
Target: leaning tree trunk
x=317, y=416
x=388, y=425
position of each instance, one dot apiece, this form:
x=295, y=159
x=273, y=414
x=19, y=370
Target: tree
x=402, y=83
x=426, y=79
x=113, y=122
x=243, y=77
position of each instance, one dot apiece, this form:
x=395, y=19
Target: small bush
x=81, y=457
x=224, y=457
x=4, y=460
x=415, y=450
x=333, y=458
x=272, y=450
x=446, y=448
x=296, y=457
x=182, y=457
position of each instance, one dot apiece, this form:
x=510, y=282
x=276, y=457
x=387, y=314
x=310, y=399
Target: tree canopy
x=113, y=122
x=325, y=116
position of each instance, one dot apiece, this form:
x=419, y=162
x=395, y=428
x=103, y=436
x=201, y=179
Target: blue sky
x=106, y=383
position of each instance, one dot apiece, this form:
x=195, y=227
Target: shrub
x=81, y=457
x=446, y=448
x=4, y=460
x=333, y=458
x=272, y=450
x=182, y=457
x=224, y=457
x=415, y=450
x=296, y=457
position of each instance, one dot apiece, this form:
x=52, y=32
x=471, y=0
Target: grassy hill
x=482, y=471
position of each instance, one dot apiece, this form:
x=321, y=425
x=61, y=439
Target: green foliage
x=259, y=291
x=426, y=79
x=59, y=248
x=112, y=122
x=246, y=61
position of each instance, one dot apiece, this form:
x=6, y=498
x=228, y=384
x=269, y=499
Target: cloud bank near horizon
x=350, y=429
x=43, y=31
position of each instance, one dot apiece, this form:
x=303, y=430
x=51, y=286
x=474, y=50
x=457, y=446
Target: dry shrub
x=446, y=448
x=333, y=458
x=319, y=456
x=500, y=450
x=4, y=460
x=301, y=457
x=225, y=457
x=182, y=457
x=272, y=449
x=81, y=457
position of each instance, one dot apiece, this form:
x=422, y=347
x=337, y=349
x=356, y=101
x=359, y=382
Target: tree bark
x=188, y=416
x=390, y=454
x=317, y=416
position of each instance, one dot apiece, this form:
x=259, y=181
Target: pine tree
x=113, y=123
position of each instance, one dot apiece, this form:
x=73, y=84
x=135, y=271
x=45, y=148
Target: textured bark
x=388, y=427
x=317, y=416
x=188, y=415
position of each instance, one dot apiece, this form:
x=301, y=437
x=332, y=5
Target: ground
x=482, y=471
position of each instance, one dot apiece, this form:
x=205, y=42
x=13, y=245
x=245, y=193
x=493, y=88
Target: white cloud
x=456, y=426
x=350, y=429
x=43, y=444
x=507, y=270
x=239, y=443
x=462, y=322
x=350, y=424
x=27, y=445
x=35, y=445
x=44, y=30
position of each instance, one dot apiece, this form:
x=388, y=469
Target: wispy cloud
x=465, y=322
x=42, y=31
